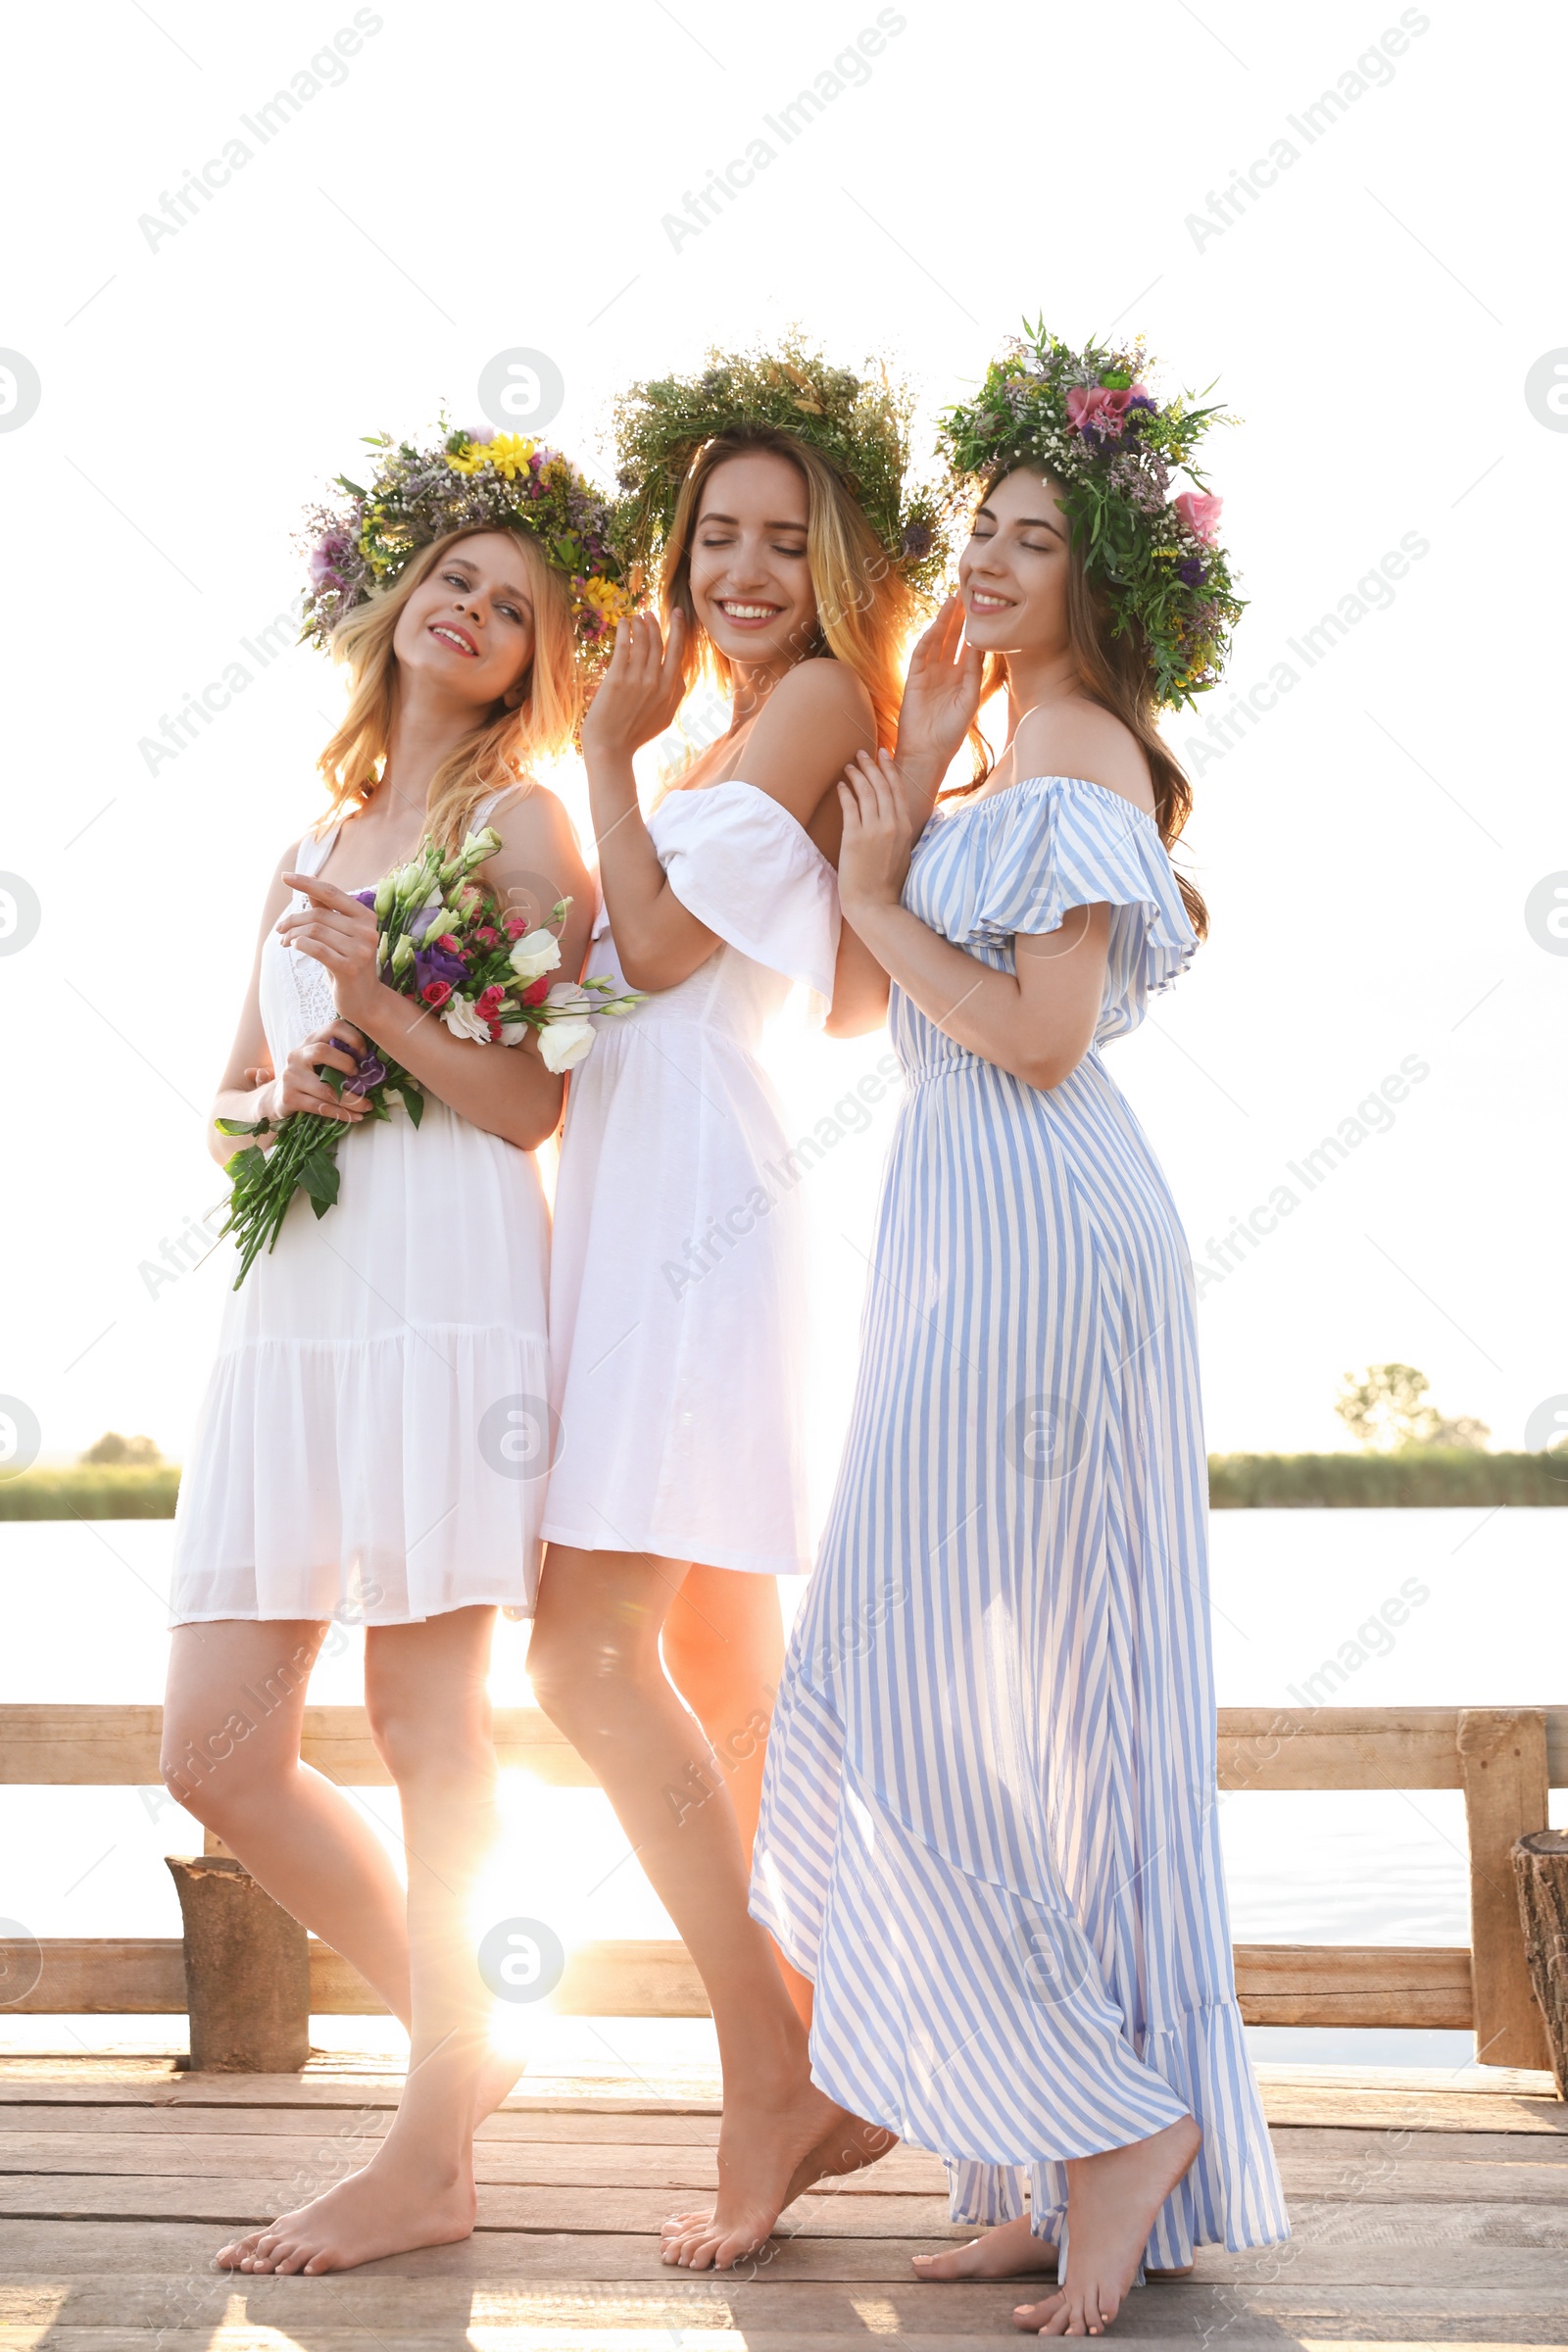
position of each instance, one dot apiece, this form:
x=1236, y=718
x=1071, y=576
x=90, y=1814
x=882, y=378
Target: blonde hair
x=864, y=611
x=505, y=743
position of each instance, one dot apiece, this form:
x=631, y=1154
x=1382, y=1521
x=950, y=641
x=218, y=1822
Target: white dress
x=372, y=1441
x=677, y=1280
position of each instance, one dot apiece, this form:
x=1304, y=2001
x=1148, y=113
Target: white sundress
x=371, y=1443
x=989, y=1830
x=677, y=1280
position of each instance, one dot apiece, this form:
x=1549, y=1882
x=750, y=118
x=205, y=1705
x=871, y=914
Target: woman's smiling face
x=751, y=581
x=468, y=628
x=1014, y=571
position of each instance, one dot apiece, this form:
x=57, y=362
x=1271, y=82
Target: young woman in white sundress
x=341, y=1466
x=676, y=1292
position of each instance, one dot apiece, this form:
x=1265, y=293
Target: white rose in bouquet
x=534, y=954
x=563, y=1043
x=462, y=1020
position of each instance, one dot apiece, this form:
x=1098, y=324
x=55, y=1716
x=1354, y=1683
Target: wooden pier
x=1422, y=2215
x=1425, y=2211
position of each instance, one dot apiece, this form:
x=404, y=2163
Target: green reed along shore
x=1413, y=1478
x=1418, y=1477
x=92, y=1491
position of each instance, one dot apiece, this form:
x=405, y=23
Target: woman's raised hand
x=878, y=835
x=300, y=1089
x=941, y=696
x=640, y=692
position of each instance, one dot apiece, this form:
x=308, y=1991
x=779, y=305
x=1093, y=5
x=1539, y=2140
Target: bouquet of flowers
x=480, y=970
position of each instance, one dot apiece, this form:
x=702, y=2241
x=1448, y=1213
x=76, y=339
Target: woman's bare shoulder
x=821, y=686
x=536, y=830
x=1080, y=739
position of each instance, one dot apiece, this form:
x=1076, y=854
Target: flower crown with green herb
x=1089, y=421
x=498, y=481
x=860, y=424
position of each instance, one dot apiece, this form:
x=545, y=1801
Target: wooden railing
x=1504, y=1759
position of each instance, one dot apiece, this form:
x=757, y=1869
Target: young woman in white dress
x=341, y=1467
x=677, y=1495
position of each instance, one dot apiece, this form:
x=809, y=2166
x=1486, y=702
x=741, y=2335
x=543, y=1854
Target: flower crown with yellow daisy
x=859, y=423
x=468, y=480
x=1087, y=419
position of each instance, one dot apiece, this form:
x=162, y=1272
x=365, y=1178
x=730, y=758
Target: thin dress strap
x=486, y=808
x=314, y=850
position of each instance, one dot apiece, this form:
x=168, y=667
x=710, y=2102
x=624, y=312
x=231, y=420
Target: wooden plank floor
x=1424, y=2214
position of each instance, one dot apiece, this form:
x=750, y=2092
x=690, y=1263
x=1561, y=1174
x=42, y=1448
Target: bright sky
x=1380, y=304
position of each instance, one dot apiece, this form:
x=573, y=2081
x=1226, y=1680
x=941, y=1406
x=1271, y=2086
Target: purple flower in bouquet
x=425, y=918
x=436, y=968
x=1191, y=570
x=371, y=1072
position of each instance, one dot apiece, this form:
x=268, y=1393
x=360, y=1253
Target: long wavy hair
x=1113, y=670
x=505, y=743
x=864, y=611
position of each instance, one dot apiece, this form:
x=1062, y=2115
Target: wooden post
x=247, y=1971
x=1502, y=1764
x=1540, y=1868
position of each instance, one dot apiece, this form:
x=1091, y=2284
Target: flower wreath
x=859, y=423
x=1090, y=421
x=502, y=481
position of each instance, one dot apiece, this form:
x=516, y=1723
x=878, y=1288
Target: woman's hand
x=300, y=1089
x=941, y=696
x=339, y=933
x=640, y=692
x=878, y=836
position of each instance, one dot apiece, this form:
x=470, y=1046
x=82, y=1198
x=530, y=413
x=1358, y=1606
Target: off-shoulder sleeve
x=1020, y=861
x=741, y=863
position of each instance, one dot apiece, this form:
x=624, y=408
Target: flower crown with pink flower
x=469, y=480
x=1089, y=421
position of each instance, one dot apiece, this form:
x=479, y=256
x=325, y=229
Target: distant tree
x=1382, y=1409
x=111, y=1447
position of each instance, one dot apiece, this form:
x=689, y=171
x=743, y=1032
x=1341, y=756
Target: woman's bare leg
x=232, y=1714
x=596, y=1671
x=424, y=1688
x=723, y=1646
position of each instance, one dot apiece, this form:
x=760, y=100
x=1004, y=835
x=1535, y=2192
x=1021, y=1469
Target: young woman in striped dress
x=989, y=1832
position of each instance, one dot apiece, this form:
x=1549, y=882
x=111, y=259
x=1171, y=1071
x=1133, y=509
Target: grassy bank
x=1426, y=1476
x=92, y=1491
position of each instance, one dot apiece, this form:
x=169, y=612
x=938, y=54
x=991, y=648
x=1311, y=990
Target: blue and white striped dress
x=989, y=1830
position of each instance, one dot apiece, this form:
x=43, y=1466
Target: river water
x=1485, y=1596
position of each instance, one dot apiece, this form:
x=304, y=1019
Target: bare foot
x=1010, y=2251
x=389, y=2208
x=763, y=2143
x=849, y=2147
x=1112, y=2199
